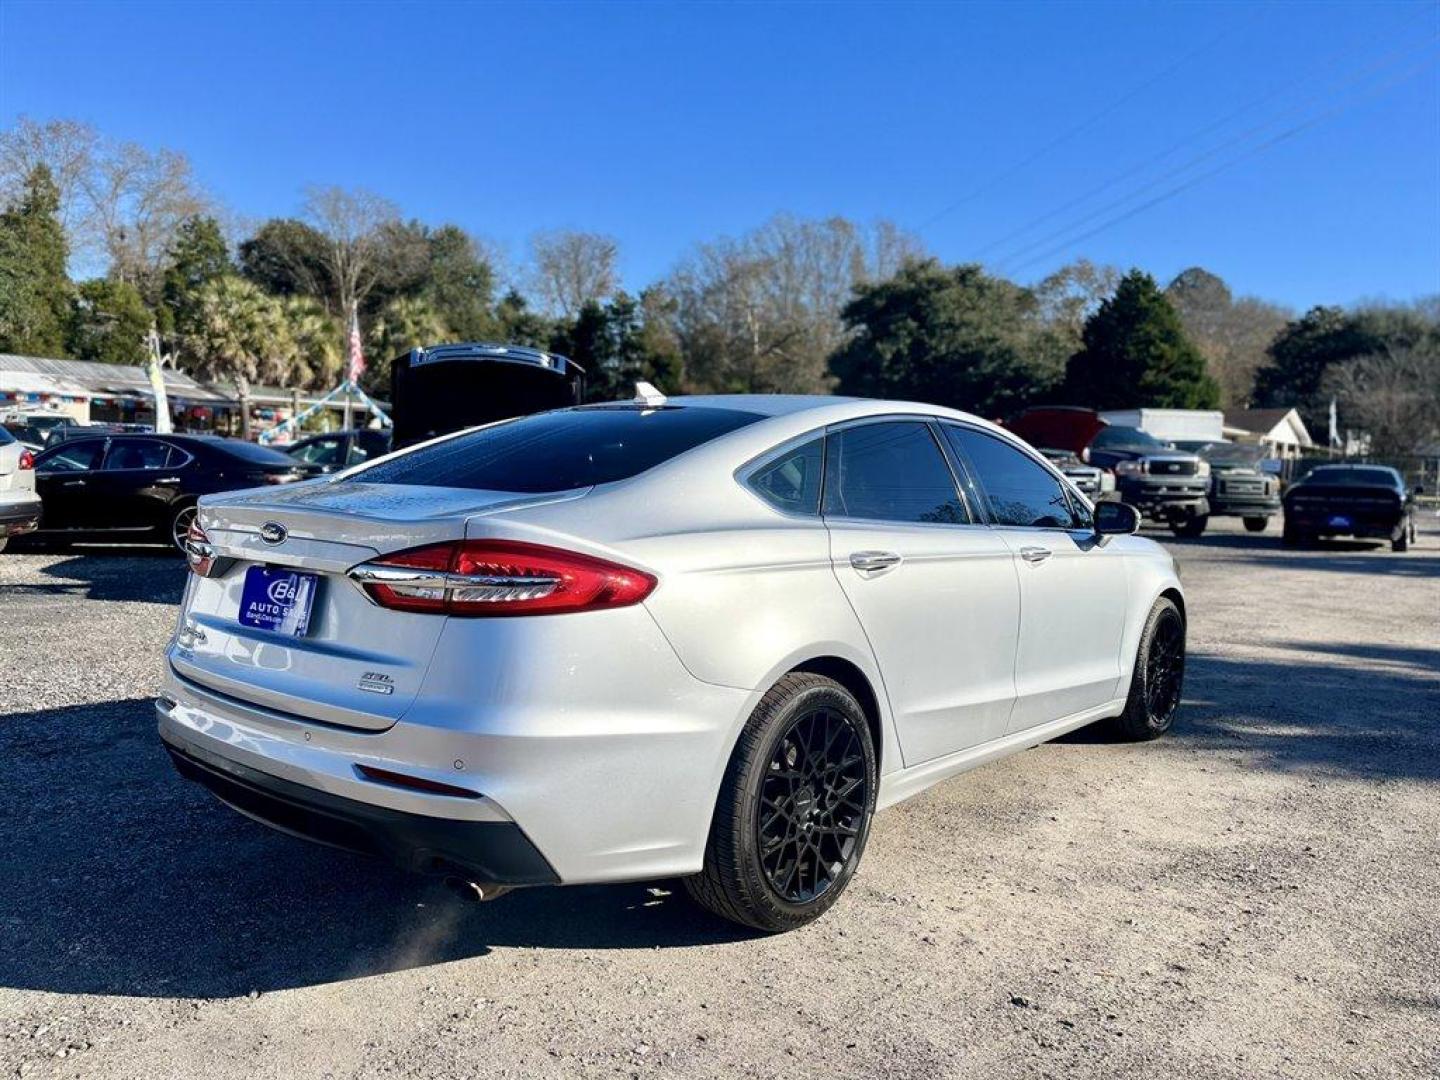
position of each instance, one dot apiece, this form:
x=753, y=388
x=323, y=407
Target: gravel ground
x=1254, y=896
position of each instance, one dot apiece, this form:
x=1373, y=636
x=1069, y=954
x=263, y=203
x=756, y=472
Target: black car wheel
x=1256, y=524
x=1159, y=677
x=180, y=525
x=794, y=810
x=1190, y=527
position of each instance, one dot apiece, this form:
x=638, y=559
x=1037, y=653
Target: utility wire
x=1083, y=126
x=1193, y=137
x=1252, y=152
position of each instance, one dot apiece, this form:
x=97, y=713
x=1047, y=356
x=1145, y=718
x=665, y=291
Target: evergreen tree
x=34, y=289
x=1135, y=354
x=196, y=256
x=109, y=323
x=618, y=344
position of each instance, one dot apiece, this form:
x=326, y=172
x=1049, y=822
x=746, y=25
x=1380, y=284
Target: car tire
x=788, y=812
x=1191, y=527
x=1159, y=678
x=1256, y=524
x=180, y=524
x=1292, y=537
x=1402, y=541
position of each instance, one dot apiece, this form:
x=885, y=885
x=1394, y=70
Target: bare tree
x=1393, y=397
x=761, y=312
x=1072, y=294
x=137, y=198
x=70, y=149
x=573, y=268
x=1232, y=334
x=354, y=224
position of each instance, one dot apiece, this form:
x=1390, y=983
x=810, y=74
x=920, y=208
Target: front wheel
x=1191, y=527
x=794, y=809
x=1159, y=676
x=1256, y=524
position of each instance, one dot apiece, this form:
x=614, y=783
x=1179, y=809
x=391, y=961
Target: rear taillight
x=198, y=551
x=499, y=577
x=27, y=460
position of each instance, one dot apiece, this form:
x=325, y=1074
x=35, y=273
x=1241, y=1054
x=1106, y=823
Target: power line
x=1370, y=71
x=1140, y=166
x=1085, y=125
x=1252, y=152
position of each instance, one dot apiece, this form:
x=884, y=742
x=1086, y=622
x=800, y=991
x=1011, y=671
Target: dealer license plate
x=1339, y=521
x=278, y=600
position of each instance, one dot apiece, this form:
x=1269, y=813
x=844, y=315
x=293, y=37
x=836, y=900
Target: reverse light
x=499, y=577
x=199, y=552
x=27, y=459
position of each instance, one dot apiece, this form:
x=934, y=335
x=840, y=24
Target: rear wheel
x=794, y=810
x=180, y=526
x=1159, y=675
x=1256, y=524
x=1292, y=537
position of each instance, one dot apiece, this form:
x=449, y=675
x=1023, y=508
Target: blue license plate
x=1339, y=521
x=278, y=600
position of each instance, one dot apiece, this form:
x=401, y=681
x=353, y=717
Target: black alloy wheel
x=1159, y=679
x=813, y=802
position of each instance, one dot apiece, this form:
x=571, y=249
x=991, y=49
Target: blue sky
x=664, y=124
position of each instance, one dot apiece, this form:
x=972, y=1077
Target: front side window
x=136, y=454
x=77, y=457
x=890, y=471
x=561, y=450
x=1018, y=490
x=792, y=481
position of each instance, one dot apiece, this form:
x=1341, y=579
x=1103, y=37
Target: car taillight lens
x=500, y=577
x=198, y=551
x=27, y=460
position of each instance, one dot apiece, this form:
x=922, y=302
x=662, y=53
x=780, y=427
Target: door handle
x=874, y=560
x=1035, y=554
x=73, y=483
x=168, y=480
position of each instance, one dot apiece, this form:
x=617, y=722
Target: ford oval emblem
x=272, y=532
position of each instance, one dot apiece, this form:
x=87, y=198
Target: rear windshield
x=1339, y=475
x=248, y=451
x=560, y=450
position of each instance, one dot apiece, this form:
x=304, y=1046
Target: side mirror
x=1116, y=519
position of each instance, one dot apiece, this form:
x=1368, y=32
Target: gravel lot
x=1258, y=895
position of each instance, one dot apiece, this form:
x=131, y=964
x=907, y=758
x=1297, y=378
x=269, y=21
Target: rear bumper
x=19, y=515
x=1322, y=523
x=489, y=851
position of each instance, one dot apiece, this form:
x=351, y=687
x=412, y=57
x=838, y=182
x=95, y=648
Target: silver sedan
x=702, y=637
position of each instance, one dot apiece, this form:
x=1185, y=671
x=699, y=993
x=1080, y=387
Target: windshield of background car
x=1233, y=454
x=560, y=450
x=1127, y=437
x=1338, y=476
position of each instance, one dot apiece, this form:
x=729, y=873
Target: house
x=1280, y=431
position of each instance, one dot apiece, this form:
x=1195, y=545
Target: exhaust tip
x=476, y=891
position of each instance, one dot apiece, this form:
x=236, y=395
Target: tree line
x=792, y=306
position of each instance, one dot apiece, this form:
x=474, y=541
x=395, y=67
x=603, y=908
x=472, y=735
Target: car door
x=936, y=592
x=64, y=479
x=1073, y=586
x=138, y=482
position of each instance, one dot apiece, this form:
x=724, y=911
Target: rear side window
x=890, y=471
x=77, y=457
x=792, y=481
x=1018, y=490
x=136, y=454
x=561, y=450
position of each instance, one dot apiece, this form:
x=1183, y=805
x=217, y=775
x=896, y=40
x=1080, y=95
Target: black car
x=1238, y=486
x=1351, y=500
x=144, y=487
x=339, y=449
x=1163, y=483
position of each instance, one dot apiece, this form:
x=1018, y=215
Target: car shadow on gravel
x=134, y=575
x=1377, y=720
x=1337, y=556
x=121, y=878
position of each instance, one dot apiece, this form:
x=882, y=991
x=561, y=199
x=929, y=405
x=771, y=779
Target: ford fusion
x=704, y=638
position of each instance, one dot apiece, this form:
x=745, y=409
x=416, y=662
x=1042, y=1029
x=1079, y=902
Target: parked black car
x=1238, y=486
x=337, y=450
x=144, y=487
x=1351, y=500
x=1163, y=483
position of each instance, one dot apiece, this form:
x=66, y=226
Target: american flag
x=357, y=354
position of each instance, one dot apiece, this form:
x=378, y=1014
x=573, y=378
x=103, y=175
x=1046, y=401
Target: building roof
x=1263, y=422
x=104, y=380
